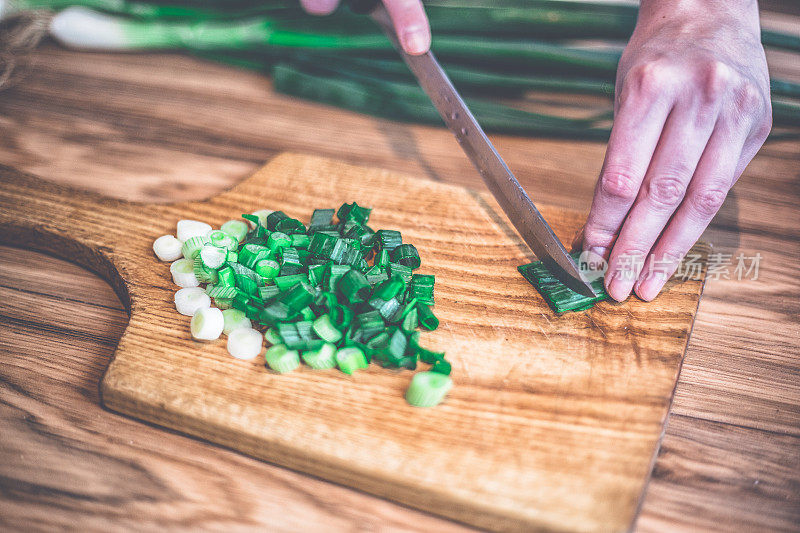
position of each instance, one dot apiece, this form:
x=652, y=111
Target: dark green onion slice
x=560, y=297
x=388, y=239
x=354, y=287
x=321, y=218
x=422, y=288
x=353, y=212
x=406, y=255
x=390, y=288
x=426, y=317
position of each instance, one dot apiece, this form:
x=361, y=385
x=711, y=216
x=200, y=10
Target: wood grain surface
x=554, y=421
x=163, y=127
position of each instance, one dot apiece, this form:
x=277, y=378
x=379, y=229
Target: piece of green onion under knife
x=333, y=293
x=560, y=297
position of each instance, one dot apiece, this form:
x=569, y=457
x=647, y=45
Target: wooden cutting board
x=553, y=423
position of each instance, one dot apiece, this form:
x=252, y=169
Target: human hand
x=692, y=108
x=408, y=17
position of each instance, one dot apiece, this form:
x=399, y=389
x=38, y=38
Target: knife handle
x=362, y=7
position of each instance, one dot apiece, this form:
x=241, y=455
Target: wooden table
x=163, y=127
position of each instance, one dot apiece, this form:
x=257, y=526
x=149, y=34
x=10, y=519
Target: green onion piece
x=221, y=239
x=267, y=268
x=322, y=244
x=273, y=219
x=353, y=212
x=221, y=291
x=390, y=309
x=252, y=253
x=241, y=270
x=560, y=297
x=236, y=229
x=341, y=316
x=278, y=241
x=300, y=240
x=287, y=282
x=326, y=330
x=410, y=321
x=428, y=389
x=213, y=257
x=268, y=291
x=202, y=272
x=367, y=325
x=192, y=247
x=321, y=218
x=226, y=277
x=391, y=288
x=346, y=252
x=290, y=261
x=398, y=343
x=396, y=269
x=382, y=258
x=298, y=297
x=354, y=286
x=322, y=358
x=426, y=317
x=281, y=359
x=332, y=276
x=308, y=314
x=421, y=288
x=351, y=359
x=232, y=257
x=248, y=286
x=315, y=274
x=442, y=367
x=376, y=276
x=406, y=255
x=272, y=336
x=223, y=303
x=389, y=239
x=290, y=226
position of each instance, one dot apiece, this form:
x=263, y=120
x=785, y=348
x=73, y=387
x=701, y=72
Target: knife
x=501, y=182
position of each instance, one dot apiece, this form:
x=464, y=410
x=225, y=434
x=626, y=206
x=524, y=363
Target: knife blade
x=513, y=199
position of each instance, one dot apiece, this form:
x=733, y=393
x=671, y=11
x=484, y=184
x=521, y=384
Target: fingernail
x=648, y=288
x=599, y=250
x=415, y=42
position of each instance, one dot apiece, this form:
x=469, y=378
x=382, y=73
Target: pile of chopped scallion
x=332, y=295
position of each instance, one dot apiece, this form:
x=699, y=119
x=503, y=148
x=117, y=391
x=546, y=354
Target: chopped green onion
x=560, y=297
x=213, y=257
x=354, y=286
x=326, y=330
x=428, y=389
x=389, y=239
x=278, y=241
x=406, y=255
x=422, y=288
x=426, y=317
x=221, y=239
x=267, y=268
x=281, y=359
x=192, y=247
x=351, y=359
x=236, y=229
x=314, y=289
x=323, y=357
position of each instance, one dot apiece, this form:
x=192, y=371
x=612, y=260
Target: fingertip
x=416, y=41
x=320, y=7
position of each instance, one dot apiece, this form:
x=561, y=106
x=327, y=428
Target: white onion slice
x=189, y=300
x=262, y=217
x=245, y=343
x=167, y=248
x=207, y=324
x=212, y=256
x=192, y=228
x=183, y=273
